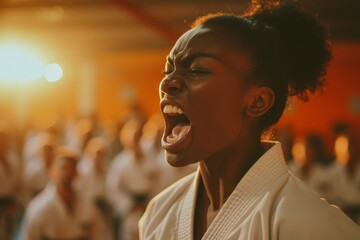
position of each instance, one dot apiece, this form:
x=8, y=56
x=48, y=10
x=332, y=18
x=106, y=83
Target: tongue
x=180, y=130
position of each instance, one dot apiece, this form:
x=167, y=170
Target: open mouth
x=177, y=124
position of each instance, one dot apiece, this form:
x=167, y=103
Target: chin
x=176, y=160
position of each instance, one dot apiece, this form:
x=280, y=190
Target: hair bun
x=302, y=44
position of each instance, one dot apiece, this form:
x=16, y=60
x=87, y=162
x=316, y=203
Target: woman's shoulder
x=297, y=205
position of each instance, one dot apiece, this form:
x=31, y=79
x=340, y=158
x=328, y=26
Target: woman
x=226, y=81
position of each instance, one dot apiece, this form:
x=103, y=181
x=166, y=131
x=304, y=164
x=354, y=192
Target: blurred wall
x=340, y=101
x=125, y=77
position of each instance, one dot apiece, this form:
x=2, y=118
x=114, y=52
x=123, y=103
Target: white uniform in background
x=31, y=145
x=35, y=178
x=127, y=181
x=47, y=217
x=318, y=178
x=91, y=183
x=345, y=190
x=268, y=203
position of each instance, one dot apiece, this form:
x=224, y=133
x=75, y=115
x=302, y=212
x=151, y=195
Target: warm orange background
x=141, y=71
x=322, y=111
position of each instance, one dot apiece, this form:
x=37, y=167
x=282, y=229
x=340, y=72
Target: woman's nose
x=170, y=86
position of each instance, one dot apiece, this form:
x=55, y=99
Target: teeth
x=172, y=109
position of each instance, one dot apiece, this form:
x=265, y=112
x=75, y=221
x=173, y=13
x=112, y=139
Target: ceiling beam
x=145, y=18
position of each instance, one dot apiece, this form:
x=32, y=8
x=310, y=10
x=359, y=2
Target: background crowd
x=95, y=179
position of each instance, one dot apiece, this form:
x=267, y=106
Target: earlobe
x=260, y=101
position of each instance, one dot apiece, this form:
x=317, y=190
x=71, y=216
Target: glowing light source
x=342, y=149
x=298, y=152
x=19, y=64
x=53, y=72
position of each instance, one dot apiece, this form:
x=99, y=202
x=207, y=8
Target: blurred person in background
x=345, y=177
x=111, y=138
x=313, y=166
x=92, y=176
x=131, y=179
x=10, y=183
x=77, y=132
x=59, y=212
x=32, y=139
x=35, y=176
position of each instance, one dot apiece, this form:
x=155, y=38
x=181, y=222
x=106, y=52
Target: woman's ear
x=260, y=100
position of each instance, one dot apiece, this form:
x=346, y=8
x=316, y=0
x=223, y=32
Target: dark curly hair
x=289, y=50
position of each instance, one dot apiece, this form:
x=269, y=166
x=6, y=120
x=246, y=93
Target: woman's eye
x=199, y=71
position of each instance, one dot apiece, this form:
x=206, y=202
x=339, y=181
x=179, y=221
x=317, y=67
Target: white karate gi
x=346, y=189
x=268, y=203
x=91, y=182
x=47, y=217
x=35, y=178
x=128, y=178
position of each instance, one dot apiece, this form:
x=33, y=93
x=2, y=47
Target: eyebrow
x=191, y=57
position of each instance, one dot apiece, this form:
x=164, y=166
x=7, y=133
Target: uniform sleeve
x=117, y=195
x=32, y=226
x=323, y=222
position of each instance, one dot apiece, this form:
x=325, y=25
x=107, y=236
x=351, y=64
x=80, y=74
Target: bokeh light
x=53, y=72
x=298, y=151
x=19, y=64
x=341, y=149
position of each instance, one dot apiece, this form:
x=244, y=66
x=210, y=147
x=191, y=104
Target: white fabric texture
x=35, y=179
x=126, y=179
x=91, y=182
x=47, y=217
x=268, y=203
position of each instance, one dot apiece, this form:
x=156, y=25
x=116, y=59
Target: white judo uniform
x=46, y=217
x=128, y=182
x=35, y=179
x=345, y=189
x=268, y=203
x=91, y=182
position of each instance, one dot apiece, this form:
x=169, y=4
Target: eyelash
x=199, y=71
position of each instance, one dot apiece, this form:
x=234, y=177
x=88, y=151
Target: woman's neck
x=222, y=172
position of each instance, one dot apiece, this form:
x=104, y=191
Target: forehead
x=207, y=39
